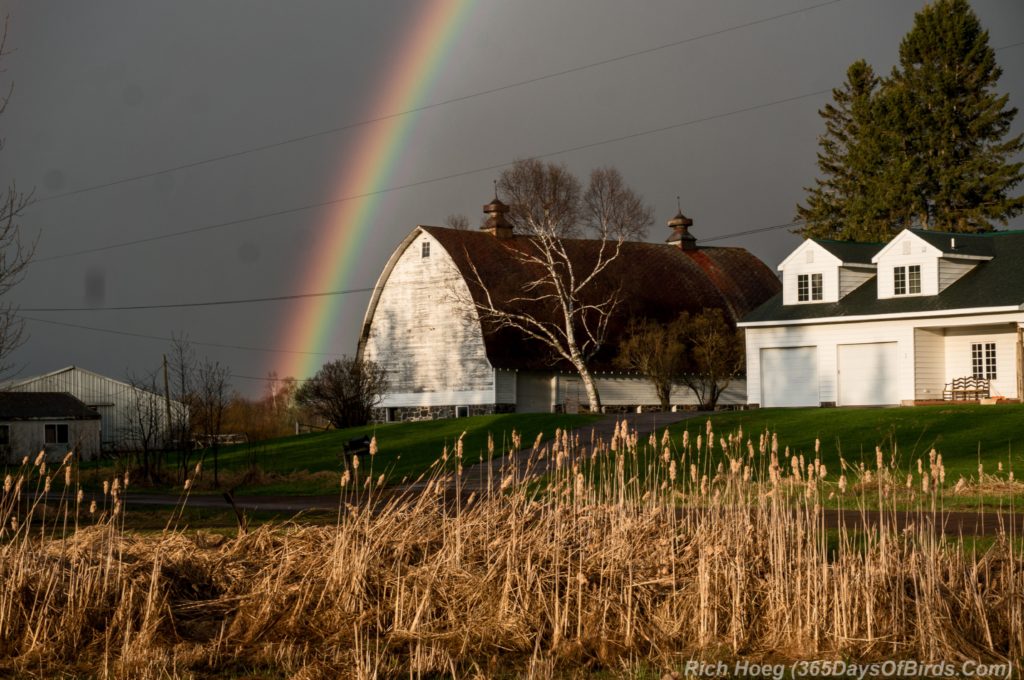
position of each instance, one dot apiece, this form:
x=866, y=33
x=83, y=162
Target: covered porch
x=989, y=355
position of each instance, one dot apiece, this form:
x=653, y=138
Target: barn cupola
x=496, y=224
x=681, y=236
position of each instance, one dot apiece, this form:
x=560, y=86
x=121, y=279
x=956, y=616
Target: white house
x=422, y=325
x=873, y=324
x=120, y=405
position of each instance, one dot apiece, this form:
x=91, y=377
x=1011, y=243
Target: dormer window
x=809, y=287
x=906, y=280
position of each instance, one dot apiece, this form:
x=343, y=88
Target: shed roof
x=43, y=406
x=654, y=281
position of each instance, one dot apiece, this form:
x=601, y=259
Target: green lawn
x=958, y=432
x=309, y=464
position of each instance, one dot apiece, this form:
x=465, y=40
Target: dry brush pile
x=622, y=553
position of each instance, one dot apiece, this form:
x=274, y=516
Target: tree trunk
x=664, y=391
x=588, y=384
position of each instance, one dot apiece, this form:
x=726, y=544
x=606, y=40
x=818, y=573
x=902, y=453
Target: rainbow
x=311, y=329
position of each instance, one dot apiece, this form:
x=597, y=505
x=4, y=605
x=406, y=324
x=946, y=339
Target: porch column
x=1020, y=363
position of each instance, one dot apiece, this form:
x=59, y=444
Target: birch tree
x=566, y=303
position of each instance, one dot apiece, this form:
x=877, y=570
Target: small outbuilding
x=54, y=422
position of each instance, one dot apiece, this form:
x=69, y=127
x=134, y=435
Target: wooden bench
x=966, y=389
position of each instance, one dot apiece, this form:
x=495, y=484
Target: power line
x=454, y=175
x=204, y=303
x=426, y=107
x=146, y=336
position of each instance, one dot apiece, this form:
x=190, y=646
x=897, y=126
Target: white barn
x=874, y=325
x=116, y=401
x=442, y=362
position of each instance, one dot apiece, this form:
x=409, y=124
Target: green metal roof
x=998, y=282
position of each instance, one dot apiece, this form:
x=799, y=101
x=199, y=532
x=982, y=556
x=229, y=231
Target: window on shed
x=56, y=434
x=425, y=249
x=983, y=360
x=802, y=287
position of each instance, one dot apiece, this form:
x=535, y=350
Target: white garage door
x=533, y=392
x=868, y=374
x=789, y=376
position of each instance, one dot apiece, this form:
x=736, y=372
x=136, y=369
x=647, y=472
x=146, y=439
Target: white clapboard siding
x=426, y=334
x=905, y=250
x=810, y=258
x=929, y=363
x=951, y=270
x=634, y=390
x=958, y=355
x=504, y=386
x=852, y=278
x=958, y=332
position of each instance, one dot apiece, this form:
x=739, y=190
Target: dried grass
x=615, y=559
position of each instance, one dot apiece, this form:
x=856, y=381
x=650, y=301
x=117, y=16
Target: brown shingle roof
x=43, y=406
x=654, y=281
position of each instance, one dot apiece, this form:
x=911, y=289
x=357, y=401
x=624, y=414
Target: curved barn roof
x=654, y=281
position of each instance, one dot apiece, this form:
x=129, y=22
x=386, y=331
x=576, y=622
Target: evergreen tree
x=924, y=147
x=849, y=160
x=959, y=177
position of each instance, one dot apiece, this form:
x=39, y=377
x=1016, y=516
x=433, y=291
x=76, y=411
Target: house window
x=914, y=279
x=425, y=249
x=809, y=287
x=906, y=280
x=5, y=435
x=983, y=360
x=56, y=434
x=817, y=289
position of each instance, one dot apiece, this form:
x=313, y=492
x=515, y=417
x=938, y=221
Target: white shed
x=116, y=401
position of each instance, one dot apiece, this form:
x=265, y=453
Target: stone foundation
x=404, y=414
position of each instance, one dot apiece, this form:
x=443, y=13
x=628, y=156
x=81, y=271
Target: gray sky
x=107, y=90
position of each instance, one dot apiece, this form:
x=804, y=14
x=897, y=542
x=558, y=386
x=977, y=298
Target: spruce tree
x=849, y=160
x=959, y=177
x=925, y=147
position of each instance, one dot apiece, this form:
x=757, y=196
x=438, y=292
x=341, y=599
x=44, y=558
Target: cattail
x=775, y=442
x=46, y=485
x=116, y=486
x=1000, y=466
x=672, y=471
x=981, y=471
x=344, y=479
x=686, y=439
x=373, y=445
x=92, y=507
x=117, y=508
x=721, y=442
x=126, y=479
x=910, y=481
x=707, y=427
x=42, y=468
x=704, y=485
x=79, y=496
x=842, y=483
x=700, y=442
x=746, y=473
x=14, y=523
x=750, y=449
x=355, y=462
x=67, y=476
x=8, y=483
x=106, y=487
x=822, y=471
x=961, y=486
x=878, y=458
x=458, y=446
x=579, y=483
x=24, y=461
x=665, y=439
x=817, y=446
x=920, y=467
x=380, y=480
x=67, y=457
x=40, y=457
x=188, y=484
x=1010, y=477
x=925, y=484
x=198, y=469
x=666, y=455
x=735, y=465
